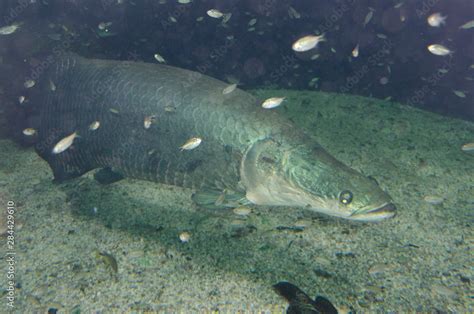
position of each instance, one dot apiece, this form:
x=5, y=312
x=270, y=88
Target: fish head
x=297, y=175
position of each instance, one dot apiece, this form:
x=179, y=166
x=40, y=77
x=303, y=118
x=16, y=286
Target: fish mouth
x=385, y=211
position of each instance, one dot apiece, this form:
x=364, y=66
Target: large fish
x=246, y=152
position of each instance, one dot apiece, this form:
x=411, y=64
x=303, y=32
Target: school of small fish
x=229, y=89
x=192, y=143
x=94, y=125
x=302, y=44
x=159, y=58
x=148, y=121
x=29, y=131
x=29, y=83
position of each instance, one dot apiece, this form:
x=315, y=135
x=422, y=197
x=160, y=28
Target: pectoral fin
x=107, y=176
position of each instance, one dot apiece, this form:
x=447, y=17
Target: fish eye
x=345, y=197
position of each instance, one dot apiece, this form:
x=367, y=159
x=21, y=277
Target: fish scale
x=88, y=89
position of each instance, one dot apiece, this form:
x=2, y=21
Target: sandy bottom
x=420, y=260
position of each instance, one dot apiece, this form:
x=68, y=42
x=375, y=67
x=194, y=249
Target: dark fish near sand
x=301, y=303
x=254, y=154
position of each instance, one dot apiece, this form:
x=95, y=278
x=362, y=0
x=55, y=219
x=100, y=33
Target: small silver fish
x=229, y=89
x=148, y=121
x=170, y=108
x=184, y=237
x=307, y=42
x=103, y=25
x=439, y=50
x=293, y=14
x=29, y=131
x=433, y=199
x=226, y=18
x=436, y=20
x=64, y=144
x=467, y=25
x=192, y=143
x=21, y=99
x=29, y=83
x=94, y=125
x=398, y=5
x=272, y=102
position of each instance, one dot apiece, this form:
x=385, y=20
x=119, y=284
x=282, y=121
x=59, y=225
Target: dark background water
x=393, y=63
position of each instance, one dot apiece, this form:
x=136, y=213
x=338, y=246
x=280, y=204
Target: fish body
x=29, y=131
x=272, y=102
x=467, y=25
x=439, y=50
x=159, y=58
x=355, y=51
x=214, y=13
x=248, y=151
x=147, y=122
x=468, y=147
x=307, y=42
x=94, y=125
x=229, y=89
x=64, y=143
x=369, y=16
x=29, y=83
x=10, y=29
x=192, y=143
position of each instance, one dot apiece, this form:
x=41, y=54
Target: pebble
x=321, y=261
x=303, y=223
x=433, y=199
x=237, y=223
x=377, y=269
x=184, y=237
x=468, y=148
x=136, y=254
x=443, y=291
x=242, y=211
